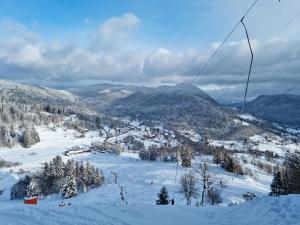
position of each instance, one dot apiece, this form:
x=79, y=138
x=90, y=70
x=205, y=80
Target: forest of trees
x=227, y=162
x=22, y=109
x=286, y=179
x=68, y=178
x=168, y=154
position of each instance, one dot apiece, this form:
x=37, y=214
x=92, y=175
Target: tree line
x=68, y=178
x=286, y=179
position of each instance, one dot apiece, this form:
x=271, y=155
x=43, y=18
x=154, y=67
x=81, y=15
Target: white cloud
x=113, y=34
x=23, y=57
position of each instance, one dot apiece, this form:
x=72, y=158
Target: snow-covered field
x=142, y=181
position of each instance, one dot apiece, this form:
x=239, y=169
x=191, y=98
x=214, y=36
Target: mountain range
x=180, y=106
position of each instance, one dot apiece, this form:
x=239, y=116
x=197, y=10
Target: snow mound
x=261, y=211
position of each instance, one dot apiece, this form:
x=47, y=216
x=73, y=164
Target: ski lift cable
x=220, y=46
x=278, y=35
x=251, y=62
x=288, y=24
x=208, y=61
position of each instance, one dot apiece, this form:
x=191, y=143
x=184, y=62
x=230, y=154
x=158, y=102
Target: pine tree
x=277, y=187
x=98, y=179
x=51, y=169
x=81, y=186
x=89, y=173
x=69, y=188
x=46, y=170
x=33, y=189
x=83, y=173
x=26, y=139
x=290, y=174
x=77, y=170
x=58, y=166
x=163, y=198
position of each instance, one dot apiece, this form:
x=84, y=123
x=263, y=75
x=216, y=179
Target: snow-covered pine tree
x=26, y=139
x=99, y=178
x=81, y=186
x=58, y=165
x=51, y=172
x=33, y=189
x=163, y=198
x=77, y=170
x=46, y=170
x=34, y=135
x=7, y=141
x=90, y=173
x=69, y=188
x=83, y=173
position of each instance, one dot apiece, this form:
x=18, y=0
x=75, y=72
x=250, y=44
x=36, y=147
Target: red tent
x=31, y=201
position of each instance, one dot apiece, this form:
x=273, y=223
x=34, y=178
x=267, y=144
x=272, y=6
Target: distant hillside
x=178, y=107
x=23, y=94
x=22, y=107
x=99, y=95
x=283, y=108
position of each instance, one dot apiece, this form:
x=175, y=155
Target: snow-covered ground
x=248, y=117
x=260, y=142
x=283, y=210
x=142, y=181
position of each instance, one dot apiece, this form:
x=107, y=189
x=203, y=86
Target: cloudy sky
x=151, y=42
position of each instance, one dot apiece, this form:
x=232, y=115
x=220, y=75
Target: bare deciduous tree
x=203, y=172
x=188, y=187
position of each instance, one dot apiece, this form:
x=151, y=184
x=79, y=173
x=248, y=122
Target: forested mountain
x=22, y=107
x=283, y=109
x=178, y=107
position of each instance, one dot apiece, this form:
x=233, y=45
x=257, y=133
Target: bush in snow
x=214, y=196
